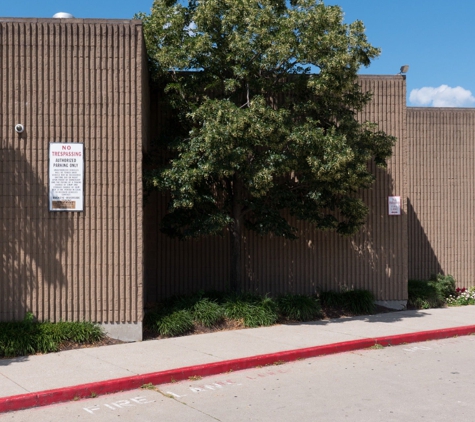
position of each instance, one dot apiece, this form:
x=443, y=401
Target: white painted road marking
x=417, y=348
x=216, y=385
x=133, y=402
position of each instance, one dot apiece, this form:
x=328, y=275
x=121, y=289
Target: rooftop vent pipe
x=63, y=15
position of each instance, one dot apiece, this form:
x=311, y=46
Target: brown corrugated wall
x=441, y=222
x=375, y=259
x=71, y=81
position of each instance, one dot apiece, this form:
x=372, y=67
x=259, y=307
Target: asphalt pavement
x=38, y=380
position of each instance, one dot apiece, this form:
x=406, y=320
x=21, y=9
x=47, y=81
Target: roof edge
x=71, y=20
x=366, y=76
x=435, y=109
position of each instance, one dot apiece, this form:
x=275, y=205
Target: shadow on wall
x=33, y=240
x=374, y=259
x=380, y=248
x=423, y=261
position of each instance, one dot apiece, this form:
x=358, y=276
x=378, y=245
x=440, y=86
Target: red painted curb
x=44, y=398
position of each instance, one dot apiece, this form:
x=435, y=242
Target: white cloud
x=443, y=96
x=191, y=29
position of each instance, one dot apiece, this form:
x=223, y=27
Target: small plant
x=356, y=302
x=175, y=324
x=207, y=312
x=93, y=395
x=195, y=378
x=253, y=310
x=19, y=338
x=445, y=284
x=148, y=386
x=151, y=317
x=422, y=295
x=299, y=307
x=377, y=346
x=29, y=317
x=432, y=293
x=462, y=297
x=180, y=315
x=359, y=302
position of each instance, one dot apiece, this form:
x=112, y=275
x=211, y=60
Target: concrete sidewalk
x=76, y=373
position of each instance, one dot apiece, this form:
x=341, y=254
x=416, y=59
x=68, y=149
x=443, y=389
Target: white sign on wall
x=66, y=176
x=394, y=205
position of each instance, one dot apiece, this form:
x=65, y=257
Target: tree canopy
x=266, y=94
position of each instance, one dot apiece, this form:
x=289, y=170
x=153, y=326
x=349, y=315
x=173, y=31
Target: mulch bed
x=106, y=341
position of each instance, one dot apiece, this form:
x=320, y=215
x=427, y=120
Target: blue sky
x=434, y=37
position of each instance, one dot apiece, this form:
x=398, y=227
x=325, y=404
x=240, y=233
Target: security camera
x=19, y=128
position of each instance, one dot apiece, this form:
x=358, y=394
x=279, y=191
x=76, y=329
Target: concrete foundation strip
x=64, y=394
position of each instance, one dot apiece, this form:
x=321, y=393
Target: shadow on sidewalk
x=9, y=361
x=387, y=317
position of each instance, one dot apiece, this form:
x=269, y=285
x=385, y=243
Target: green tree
x=266, y=94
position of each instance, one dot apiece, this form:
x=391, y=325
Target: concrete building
x=77, y=243
x=73, y=82
x=441, y=193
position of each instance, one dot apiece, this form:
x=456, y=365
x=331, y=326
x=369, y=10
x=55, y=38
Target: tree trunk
x=235, y=236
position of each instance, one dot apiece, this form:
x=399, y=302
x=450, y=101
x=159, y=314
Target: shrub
x=253, y=310
x=151, y=317
x=299, y=307
x=357, y=302
x=178, y=315
x=207, y=312
x=19, y=338
x=445, y=284
x=78, y=332
x=432, y=293
x=422, y=294
x=175, y=323
x=331, y=299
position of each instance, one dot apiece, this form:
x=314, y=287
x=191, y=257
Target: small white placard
x=394, y=205
x=66, y=176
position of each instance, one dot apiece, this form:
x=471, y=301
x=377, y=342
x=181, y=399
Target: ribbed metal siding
x=375, y=259
x=441, y=193
x=71, y=81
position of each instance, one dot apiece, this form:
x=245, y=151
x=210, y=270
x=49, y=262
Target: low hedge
x=19, y=338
